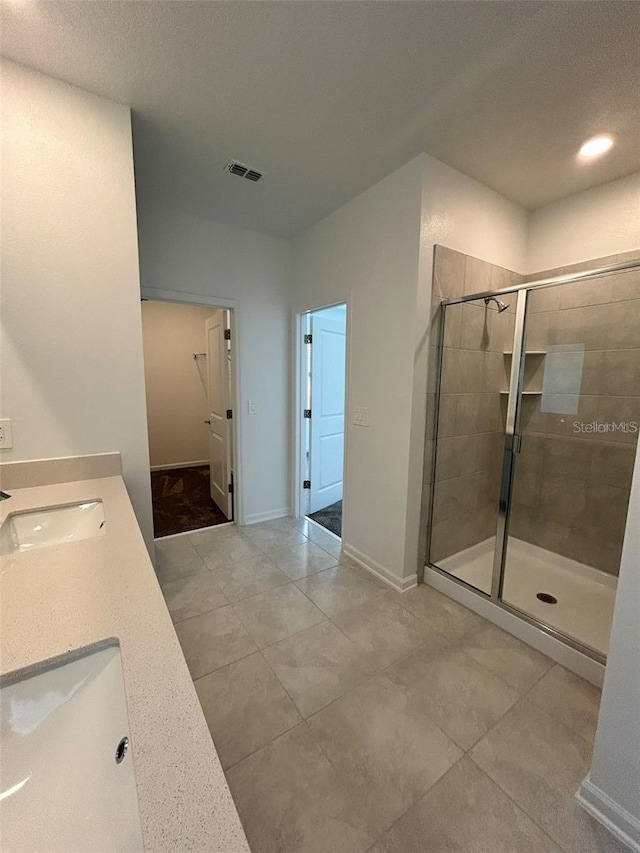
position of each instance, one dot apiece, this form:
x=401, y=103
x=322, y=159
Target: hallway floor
x=350, y=718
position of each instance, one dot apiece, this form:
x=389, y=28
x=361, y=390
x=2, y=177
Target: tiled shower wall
x=571, y=489
x=471, y=411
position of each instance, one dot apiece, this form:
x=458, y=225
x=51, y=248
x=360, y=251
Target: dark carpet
x=330, y=517
x=181, y=501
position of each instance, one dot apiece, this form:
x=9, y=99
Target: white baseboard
x=180, y=465
x=619, y=822
x=371, y=565
x=256, y=517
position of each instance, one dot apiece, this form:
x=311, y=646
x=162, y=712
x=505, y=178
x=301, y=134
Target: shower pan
x=537, y=418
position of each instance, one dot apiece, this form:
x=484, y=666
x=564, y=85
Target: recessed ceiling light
x=596, y=146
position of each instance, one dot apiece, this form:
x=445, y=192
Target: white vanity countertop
x=63, y=597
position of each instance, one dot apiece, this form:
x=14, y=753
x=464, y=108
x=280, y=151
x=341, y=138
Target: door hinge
x=307, y=413
x=230, y=488
x=227, y=334
x=229, y=414
x=308, y=339
x=306, y=484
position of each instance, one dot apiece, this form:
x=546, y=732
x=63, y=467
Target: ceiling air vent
x=243, y=171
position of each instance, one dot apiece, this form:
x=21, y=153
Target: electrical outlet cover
x=6, y=434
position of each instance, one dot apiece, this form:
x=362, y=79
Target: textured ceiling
x=329, y=97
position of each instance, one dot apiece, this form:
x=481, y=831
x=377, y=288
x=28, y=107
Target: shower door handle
x=514, y=443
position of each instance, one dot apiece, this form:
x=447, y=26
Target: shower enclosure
x=537, y=416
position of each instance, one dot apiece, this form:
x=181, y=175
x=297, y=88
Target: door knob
x=208, y=422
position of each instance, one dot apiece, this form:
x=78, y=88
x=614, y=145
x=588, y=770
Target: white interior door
x=328, y=331
x=219, y=404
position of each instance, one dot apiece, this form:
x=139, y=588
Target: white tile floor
x=585, y=596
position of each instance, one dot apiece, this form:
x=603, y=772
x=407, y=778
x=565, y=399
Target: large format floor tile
x=219, y=551
x=464, y=698
x=200, y=539
x=245, y=707
x=291, y=800
x=248, y=577
x=383, y=629
x=285, y=524
x=269, y=540
x=570, y=699
x=316, y=666
x=192, y=596
x=302, y=560
x=177, y=558
x=378, y=760
x=278, y=614
x=384, y=747
x=213, y=640
x=441, y=613
x=326, y=541
x=340, y=588
x=518, y=664
x=541, y=763
x=465, y=812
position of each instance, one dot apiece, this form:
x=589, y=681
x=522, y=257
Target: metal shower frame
x=512, y=440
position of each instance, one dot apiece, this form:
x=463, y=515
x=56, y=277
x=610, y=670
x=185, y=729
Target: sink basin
x=62, y=728
x=53, y=525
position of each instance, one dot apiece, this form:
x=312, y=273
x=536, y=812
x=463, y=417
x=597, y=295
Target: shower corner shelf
x=527, y=352
x=526, y=393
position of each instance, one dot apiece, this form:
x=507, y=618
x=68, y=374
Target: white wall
x=377, y=252
x=593, y=224
x=176, y=383
x=185, y=254
x=613, y=787
x=72, y=374
x=366, y=253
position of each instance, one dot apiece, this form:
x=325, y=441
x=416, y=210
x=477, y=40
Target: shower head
x=502, y=306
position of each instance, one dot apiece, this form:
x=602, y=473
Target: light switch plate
x=361, y=417
x=6, y=434
x=252, y=407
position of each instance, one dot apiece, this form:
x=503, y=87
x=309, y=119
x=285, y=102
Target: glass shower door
x=578, y=421
x=470, y=434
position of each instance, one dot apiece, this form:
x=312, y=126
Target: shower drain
x=547, y=598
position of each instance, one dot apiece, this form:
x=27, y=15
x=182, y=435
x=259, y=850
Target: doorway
x=189, y=379
x=322, y=416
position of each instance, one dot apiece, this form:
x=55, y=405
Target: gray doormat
x=330, y=517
